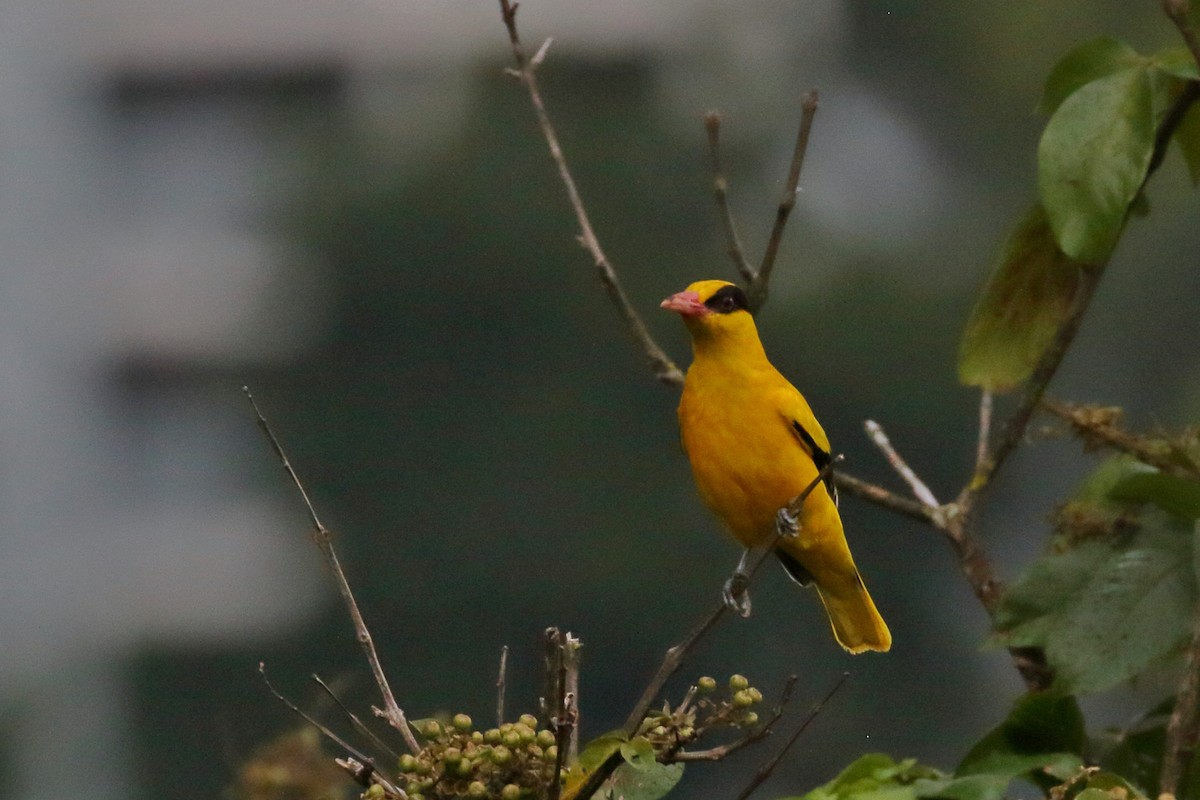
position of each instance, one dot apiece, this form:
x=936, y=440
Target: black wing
x=820, y=457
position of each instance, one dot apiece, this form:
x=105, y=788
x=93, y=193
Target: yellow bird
x=754, y=445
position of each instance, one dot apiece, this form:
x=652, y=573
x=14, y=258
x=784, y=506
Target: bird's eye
x=728, y=304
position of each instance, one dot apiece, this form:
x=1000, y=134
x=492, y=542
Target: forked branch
x=391, y=710
x=526, y=70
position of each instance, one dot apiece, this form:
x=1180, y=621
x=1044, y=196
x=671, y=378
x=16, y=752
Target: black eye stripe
x=728, y=299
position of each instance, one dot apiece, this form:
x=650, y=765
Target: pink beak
x=686, y=303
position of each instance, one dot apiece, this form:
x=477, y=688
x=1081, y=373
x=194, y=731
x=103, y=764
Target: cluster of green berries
x=513, y=761
x=702, y=711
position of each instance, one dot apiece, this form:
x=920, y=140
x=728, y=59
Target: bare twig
x=919, y=489
x=572, y=653
x=1100, y=426
x=358, y=724
x=392, y=712
x=365, y=772
x=737, y=253
x=1183, y=727
x=562, y=713
x=766, y=769
x=501, y=684
x=664, y=368
x=758, y=289
x=985, y=429
x=882, y=497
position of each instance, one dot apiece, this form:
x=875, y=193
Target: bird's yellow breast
x=745, y=457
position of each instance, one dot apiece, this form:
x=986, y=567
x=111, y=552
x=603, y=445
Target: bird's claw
x=787, y=524
x=736, y=593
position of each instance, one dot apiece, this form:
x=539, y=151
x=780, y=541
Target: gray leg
x=735, y=592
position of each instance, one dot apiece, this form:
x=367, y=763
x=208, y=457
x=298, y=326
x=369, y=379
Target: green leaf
x=1136, y=752
x=1106, y=608
x=1042, y=729
x=969, y=787
x=641, y=777
x=1021, y=308
x=1176, y=61
x=1092, y=159
x=1040, y=740
x=1173, y=494
x=591, y=758
x=1086, y=63
x=875, y=776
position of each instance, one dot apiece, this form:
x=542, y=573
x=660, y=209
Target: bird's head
x=713, y=309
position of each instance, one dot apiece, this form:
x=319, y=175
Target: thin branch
x=882, y=497
x=392, y=712
x=757, y=291
x=737, y=253
x=767, y=768
x=1100, y=426
x=1183, y=728
x=501, y=684
x=664, y=368
x=562, y=713
x=985, y=429
x=358, y=724
x=876, y=433
x=572, y=653
x=365, y=772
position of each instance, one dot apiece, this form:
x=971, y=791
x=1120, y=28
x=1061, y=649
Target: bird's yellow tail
x=857, y=625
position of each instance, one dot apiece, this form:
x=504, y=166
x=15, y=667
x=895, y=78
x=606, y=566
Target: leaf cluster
x=1107, y=106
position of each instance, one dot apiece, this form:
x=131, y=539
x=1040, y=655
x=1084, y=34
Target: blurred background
x=348, y=207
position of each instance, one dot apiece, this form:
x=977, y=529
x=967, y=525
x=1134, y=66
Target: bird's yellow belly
x=747, y=466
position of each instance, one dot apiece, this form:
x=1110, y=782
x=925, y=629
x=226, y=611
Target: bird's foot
x=736, y=593
x=786, y=524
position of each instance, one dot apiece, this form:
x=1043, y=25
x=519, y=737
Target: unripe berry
x=750, y=719
x=511, y=738
x=492, y=736
x=510, y=792
x=552, y=753
x=545, y=738
x=755, y=694
x=407, y=763
x=476, y=789
x=461, y=723
x=451, y=755
x=742, y=699
x=528, y=720
x=431, y=729
x=706, y=684
x=738, y=682
x=501, y=754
